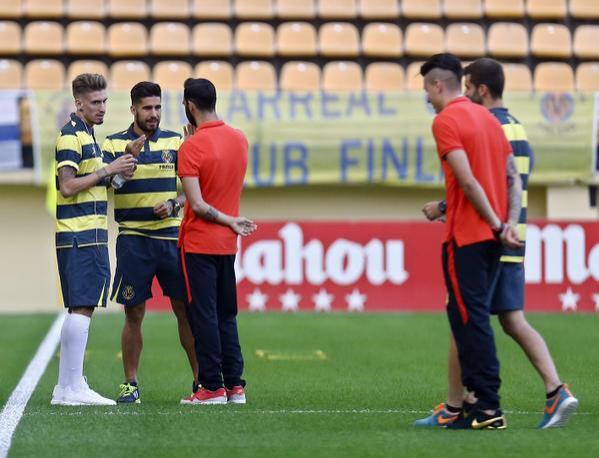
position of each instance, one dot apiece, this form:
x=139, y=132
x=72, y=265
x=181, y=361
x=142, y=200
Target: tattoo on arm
x=211, y=214
x=514, y=190
x=66, y=172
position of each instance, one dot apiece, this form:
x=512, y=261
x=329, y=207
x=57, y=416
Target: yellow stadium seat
x=127, y=39
x=465, y=39
x=421, y=9
x=171, y=74
x=551, y=40
x=10, y=38
x=338, y=39
x=584, y=9
x=384, y=76
x=342, y=76
x=587, y=76
x=86, y=66
x=255, y=39
x=463, y=9
x=545, y=9
x=586, y=42
x=517, y=78
x=424, y=39
x=127, y=9
x=125, y=74
x=504, y=8
x=170, y=39
x=10, y=9
x=255, y=76
x=11, y=74
x=42, y=37
x=381, y=39
x=85, y=37
x=413, y=81
x=554, y=77
x=378, y=9
x=296, y=39
x=219, y=72
x=169, y=9
x=43, y=8
x=85, y=9
x=294, y=9
x=44, y=74
x=337, y=9
x=254, y=9
x=300, y=76
x=212, y=9
x=507, y=39
x=212, y=39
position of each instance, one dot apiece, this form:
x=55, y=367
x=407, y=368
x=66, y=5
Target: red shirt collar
x=461, y=98
x=207, y=125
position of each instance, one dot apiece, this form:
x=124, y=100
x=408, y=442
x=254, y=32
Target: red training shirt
x=470, y=127
x=217, y=155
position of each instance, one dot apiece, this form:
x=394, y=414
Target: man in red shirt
x=212, y=165
x=474, y=155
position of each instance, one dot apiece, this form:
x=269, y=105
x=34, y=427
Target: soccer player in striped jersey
x=147, y=211
x=484, y=84
x=81, y=233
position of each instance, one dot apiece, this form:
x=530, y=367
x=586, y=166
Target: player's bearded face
x=188, y=113
x=147, y=113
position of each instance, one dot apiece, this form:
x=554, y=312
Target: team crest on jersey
x=128, y=292
x=167, y=156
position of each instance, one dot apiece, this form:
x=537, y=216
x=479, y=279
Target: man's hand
x=431, y=211
x=134, y=147
x=188, y=131
x=124, y=165
x=163, y=209
x=509, y=237
x=243, y=226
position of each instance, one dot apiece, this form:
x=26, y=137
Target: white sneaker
x=83, y=395
x=57, y=396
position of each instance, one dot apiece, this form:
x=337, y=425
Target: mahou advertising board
x=396, y=266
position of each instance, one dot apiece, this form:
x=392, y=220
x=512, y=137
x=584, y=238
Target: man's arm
x=514, y=184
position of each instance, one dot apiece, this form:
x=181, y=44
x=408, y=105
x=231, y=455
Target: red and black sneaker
x=236, y=395
x=205, y=396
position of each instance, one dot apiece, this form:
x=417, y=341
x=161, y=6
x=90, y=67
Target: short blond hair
x=88, y=82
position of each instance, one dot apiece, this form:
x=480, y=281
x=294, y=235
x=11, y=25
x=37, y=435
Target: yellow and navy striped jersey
x=154, y=181
x=80, y=219
x=523, y=156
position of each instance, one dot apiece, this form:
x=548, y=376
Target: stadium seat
x=300, y=76
x=211, y=9
x=255, y=39
x=584, y=9
x=338, y=39
x=465, y=39
x=254, y=9
x=127, y=9
x=551, y=40
x=554, y=77
x=292, y=9
x=125, y=74
x=127, y=39
x=171, y=74
x=296, y=39
x=10, y=9
x=517, y=78
x=85, y=9
x=337, y=9
x=11, y=74
x=342, y=76
x=413, y=81
x=42, y=37
x=507, y=39
x=424, y=39
x=212, y=39
x=504, y=8
x=85, y=37
x=463, y=9
x=378, y=9
x=384, y=76
x=169, y=9
x=255, y=76
x=170, y=39
x=44, y=74
x=86, y=66
x=421, y=9
x=587, y=76
x=586, y=42
x=219, y=72
x=10, y=38
x=43, y=8
x=381, y=39
x=546, y=9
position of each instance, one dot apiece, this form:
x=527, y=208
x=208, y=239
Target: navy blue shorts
x=138, y=260
x=509, y=290
x=84, y=275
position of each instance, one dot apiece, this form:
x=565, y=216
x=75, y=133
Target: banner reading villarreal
x=358, y=138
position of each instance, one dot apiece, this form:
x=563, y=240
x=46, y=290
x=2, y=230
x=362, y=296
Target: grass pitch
x=334, y=385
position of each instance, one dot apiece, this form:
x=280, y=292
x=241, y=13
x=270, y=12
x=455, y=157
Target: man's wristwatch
x=176, y=207
x=442, y=206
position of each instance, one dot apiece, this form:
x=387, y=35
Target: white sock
x=75, y=337
x=63, y=373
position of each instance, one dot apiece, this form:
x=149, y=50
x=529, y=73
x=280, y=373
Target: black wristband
x=442, y=206
x=176, y=207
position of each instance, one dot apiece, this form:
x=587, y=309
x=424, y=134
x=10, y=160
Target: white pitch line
x=15, y=406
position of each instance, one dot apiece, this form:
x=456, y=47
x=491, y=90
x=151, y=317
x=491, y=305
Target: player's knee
x=135, y=315
x=512, y=323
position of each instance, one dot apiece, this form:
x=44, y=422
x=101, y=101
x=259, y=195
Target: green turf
x=381, y=373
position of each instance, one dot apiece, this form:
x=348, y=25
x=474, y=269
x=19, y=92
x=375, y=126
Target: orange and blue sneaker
x=441, y=417
x=559, y=408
